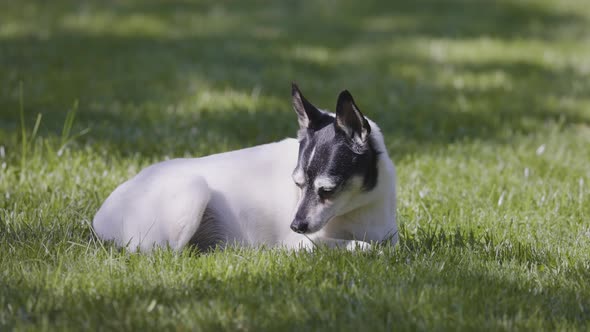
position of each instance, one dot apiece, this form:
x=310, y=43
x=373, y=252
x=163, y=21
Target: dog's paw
x=358, y=246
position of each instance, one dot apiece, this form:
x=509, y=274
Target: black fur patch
x=335, y=156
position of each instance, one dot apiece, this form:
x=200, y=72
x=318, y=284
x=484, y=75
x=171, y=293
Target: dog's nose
x=299, y=226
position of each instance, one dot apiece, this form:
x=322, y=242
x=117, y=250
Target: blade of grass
x=66, y=136
x=36, y=127
x=23, y=127
x=68, y=123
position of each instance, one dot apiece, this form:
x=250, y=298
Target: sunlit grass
x=484, y=106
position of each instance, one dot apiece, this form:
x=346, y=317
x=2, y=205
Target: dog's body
x=343, y=195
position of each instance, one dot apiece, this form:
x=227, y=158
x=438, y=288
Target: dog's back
x=246, y=191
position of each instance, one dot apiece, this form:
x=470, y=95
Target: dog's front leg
x=352, y=245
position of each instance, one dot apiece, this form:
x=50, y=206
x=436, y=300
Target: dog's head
x=337, y=164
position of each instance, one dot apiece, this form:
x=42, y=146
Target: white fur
x=324, y=182
x=253, y=195
x=298, y=177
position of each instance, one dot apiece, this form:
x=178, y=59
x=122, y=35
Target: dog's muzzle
x=299, y=226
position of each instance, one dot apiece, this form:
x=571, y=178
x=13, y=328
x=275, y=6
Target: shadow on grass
x=132, y=64
x=315, y=293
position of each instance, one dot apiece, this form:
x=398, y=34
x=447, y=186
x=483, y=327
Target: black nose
x=299, y=226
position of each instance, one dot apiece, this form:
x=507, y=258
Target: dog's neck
x=376, y=213
x=380, y=204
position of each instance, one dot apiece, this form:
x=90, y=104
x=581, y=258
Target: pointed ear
x=350, y=119
x=307, y=114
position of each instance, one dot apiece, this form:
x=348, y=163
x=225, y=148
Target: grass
x=484, y=105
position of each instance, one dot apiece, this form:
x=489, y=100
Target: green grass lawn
x=485, y=107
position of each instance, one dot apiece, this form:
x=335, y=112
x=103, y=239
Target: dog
x=333, y=186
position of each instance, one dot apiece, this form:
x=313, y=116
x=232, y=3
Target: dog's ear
x=350, y=119
x=307, y=114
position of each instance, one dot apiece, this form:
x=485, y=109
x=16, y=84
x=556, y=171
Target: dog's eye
x=324, y=192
